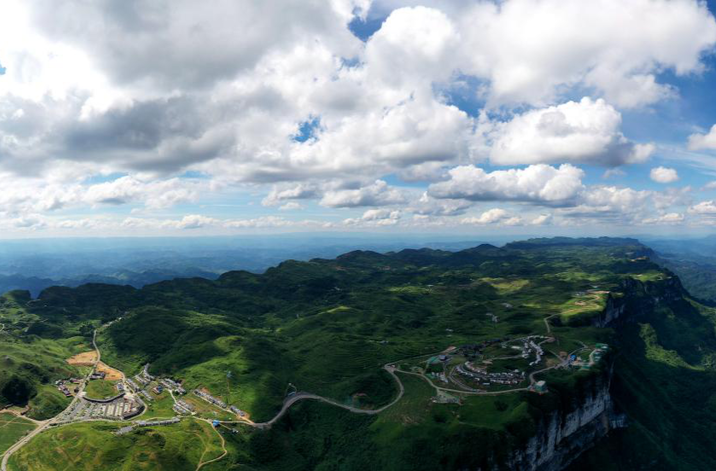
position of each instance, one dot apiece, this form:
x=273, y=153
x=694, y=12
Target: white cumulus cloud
x=703, y=208
x=491, y=216
x=664, y=175
x=378, y=193
x=707, y=141
x=587, y=131
x=537, y=184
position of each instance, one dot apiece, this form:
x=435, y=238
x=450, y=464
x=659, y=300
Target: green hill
x=329, y=326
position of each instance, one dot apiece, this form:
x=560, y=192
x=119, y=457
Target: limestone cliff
x=636, y=298
x=565, y=433
x=562, y=436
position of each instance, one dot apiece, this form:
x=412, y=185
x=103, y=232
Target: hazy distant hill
x=37, y=264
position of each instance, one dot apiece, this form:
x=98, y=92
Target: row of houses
x=441, y=376
x=209, y=398
x=141, y=380
x=149, y=423
x=144, y=378
x=237, y=411
x=538, y=352
x=480, y=374
x=172, y=385
x=132, y=385
x=183, y=407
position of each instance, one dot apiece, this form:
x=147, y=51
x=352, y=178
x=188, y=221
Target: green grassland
x=47, y=403
x=101, y=389
x=12, y=428
x=91, y=446
x=29, y=362
x=329, y=326
x=160, y=407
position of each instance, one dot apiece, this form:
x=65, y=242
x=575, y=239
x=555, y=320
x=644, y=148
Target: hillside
x=392, y=344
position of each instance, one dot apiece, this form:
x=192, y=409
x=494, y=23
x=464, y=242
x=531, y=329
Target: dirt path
x=546, y=323
x=18, y=414
x=223, y=447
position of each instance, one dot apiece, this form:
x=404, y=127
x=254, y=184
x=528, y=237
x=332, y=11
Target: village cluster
x=119, y=407
x=525, y=347
x=146, y=423
x=68, y=386
x=500, y=363
x=481, y=375
x=181, y=406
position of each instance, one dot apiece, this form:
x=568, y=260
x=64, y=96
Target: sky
x=176, y=117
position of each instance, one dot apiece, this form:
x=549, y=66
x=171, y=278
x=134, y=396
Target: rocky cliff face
x=562, y=437
x=637, y=298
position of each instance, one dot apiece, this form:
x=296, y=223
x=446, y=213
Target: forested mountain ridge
x=329, y=328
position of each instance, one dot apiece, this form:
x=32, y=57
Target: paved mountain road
x=44, y=425
x=301, y=396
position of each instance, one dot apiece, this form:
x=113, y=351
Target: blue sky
x=394, y=116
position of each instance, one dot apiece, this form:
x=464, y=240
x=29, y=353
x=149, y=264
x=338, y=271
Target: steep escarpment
x=580, y=423
x=664, y=378
x=636, y=299
x=586, y=415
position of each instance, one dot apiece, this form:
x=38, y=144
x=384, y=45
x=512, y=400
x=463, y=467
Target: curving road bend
x=301, y=396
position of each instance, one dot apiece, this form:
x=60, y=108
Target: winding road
x=297, y=397
x=301, y=396
x=47, y=423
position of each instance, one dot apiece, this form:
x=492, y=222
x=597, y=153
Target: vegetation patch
x=101, y=389
x=91, y=446
x=12, y=428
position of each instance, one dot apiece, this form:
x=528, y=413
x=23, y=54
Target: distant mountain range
x=34, y=265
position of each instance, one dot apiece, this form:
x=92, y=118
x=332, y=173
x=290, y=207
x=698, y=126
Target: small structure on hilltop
x=540, y=387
